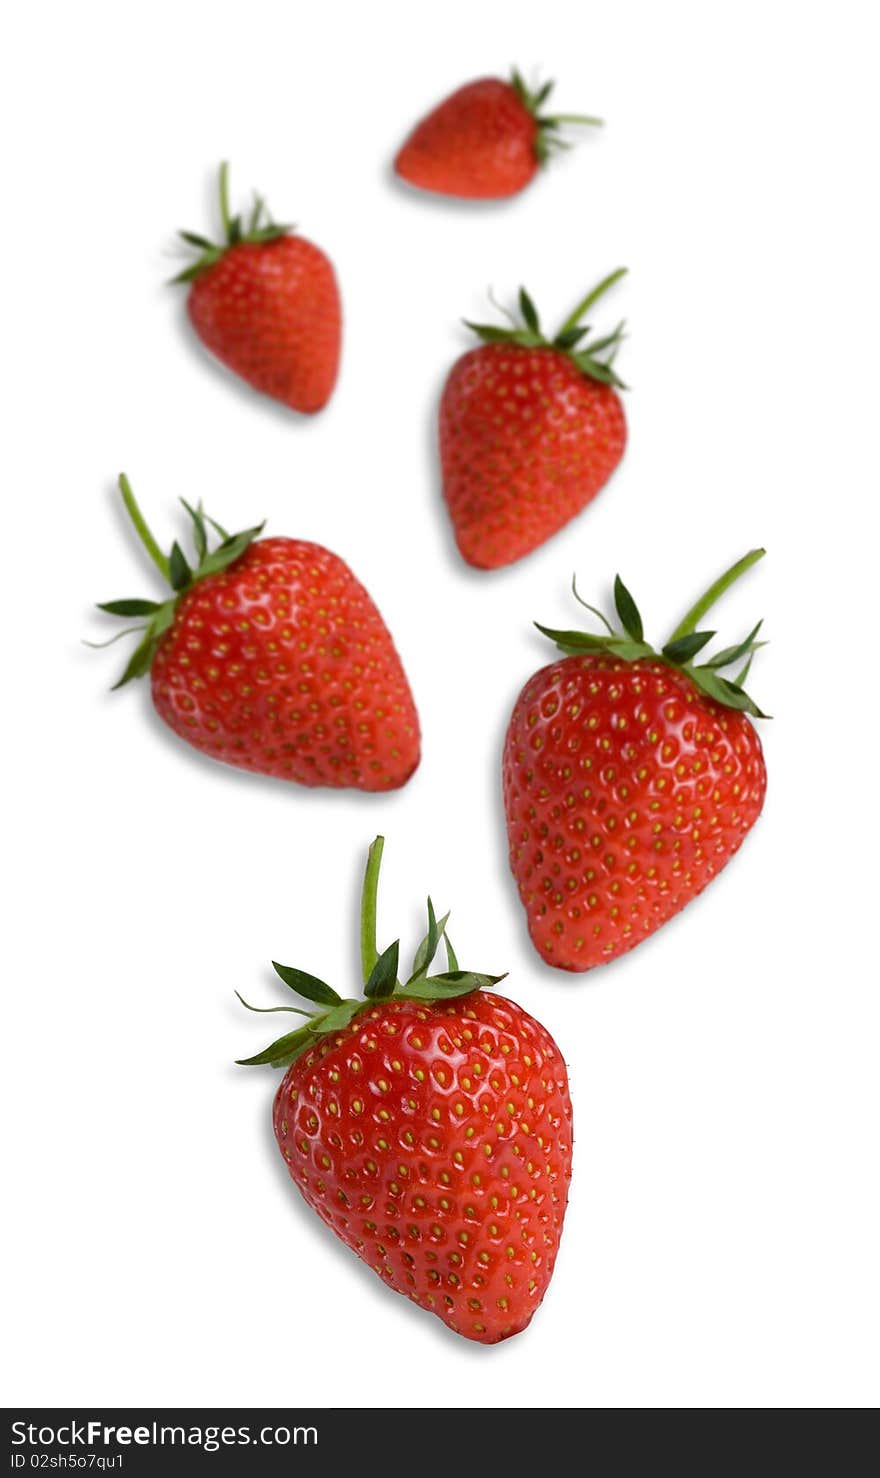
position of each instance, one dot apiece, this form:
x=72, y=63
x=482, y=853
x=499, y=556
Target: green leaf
x=628, y=611
x=180, y=573
x=724, y=691
x=598, y=345
x=162, y=619
x=266, y=1010
x=129, y=607
x=446, y=986
x=428, y=947
x=491, y=333
x=256, y=213
x=200, y=535
x=740, y=677
x=310, y=987
x=730, y=654
x=139, y=661
x=282, y=1051
x=207, y=259
x=229, y=551
x=271, y=232
x=450, y=954
x=741, y=700
x=629, y=651
x=218, y=528
x=598, y=371
x=710, y=684
x=383, y=976
x=337, y=1019
x=529, y=312
x=687, y=646
x=575, y=641
x=193, y=239
x=571, y=337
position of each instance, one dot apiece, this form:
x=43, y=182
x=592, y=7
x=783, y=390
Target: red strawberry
x=530, y=430
x=270, y=655
x=429, y=1125
x=630, y=779
x=485, y=141
x=266, y=303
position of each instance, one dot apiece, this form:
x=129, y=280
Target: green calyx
x=179, y=572
x=549, y=126
x=593, y=357
x=685, y=643
x=257, y=227
x=380, y=972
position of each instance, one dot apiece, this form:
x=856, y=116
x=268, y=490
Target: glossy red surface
x=282, y=664
x=479, y=143
x=435, y=1140
x=526, y=442
x=271, y=312
x=626, y=791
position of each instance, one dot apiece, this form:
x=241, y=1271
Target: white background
x=721, y=1242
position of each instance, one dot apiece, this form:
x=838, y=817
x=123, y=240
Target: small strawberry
x=485, y=141
x=429, y=1125
x=630, y=779
x=530, y=430
x=265, y=302
x=270, y=655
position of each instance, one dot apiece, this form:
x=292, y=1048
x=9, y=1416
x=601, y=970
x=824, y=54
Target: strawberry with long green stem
x=270, y=655
x=429, y=1125
x=631, y=776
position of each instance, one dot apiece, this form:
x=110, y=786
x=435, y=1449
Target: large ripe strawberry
x=485, y=141
x=270, y=655
x=265, y=302
x=530, y=430
x=429, y=1125
x=630, y=779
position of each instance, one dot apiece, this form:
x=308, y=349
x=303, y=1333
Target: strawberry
x=630, y=779
x=265, y=302
x=270, y=655
x=485, y=141
x=530, y=430
x=429, y=1125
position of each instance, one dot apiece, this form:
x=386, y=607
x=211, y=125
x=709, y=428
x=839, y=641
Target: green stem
x=143, y=530
x=225, y=217
x=694, y=616
x=369, y=950
x=573, y=118
x=575, y=317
